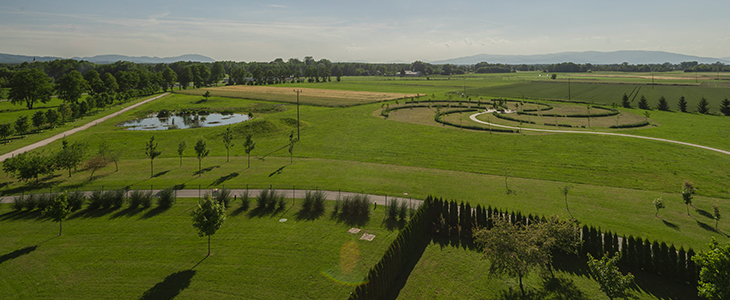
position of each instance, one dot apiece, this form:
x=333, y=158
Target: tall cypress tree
x=682, y=265
x=671, y=263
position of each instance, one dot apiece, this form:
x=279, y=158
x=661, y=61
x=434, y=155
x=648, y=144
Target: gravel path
x=474, y=118
x=72, y=131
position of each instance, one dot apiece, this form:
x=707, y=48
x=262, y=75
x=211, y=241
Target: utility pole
x=568, y=88
x=297, y=91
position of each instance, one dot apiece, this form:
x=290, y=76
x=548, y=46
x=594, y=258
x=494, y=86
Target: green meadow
x=612, y=181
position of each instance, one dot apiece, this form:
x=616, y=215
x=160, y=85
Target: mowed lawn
x=157, y=254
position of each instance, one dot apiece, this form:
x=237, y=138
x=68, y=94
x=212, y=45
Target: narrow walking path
x=474, y=118
x=297, y=194
x=75, y=130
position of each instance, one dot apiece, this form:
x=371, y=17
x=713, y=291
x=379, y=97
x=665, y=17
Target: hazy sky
x=373, y=31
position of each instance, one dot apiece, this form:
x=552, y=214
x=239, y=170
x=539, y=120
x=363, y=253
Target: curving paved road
x=75, y=130
x=474, y=118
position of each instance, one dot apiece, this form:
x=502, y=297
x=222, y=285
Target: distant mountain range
x=107, y=59
x=593, y=57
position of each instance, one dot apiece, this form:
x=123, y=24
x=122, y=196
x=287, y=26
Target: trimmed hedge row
x=447, y=218
x=438, y=119
x=507, y=117
x=633, y=125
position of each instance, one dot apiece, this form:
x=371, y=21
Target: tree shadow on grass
x=89, y=212
x=562, y=288
x=351, y=220
x=17, y=253
x=170, y=287
x=239, y=211
x=671, y=225
x=154, y=212
x=21, y=215
x=277, y=172
x=205, y=170
x=393, y=224
x=705, y=213
x=662, y=288
x=309, y=215
x=413, y=259
x=127, y=212
x=161, y=173
x=223, y=179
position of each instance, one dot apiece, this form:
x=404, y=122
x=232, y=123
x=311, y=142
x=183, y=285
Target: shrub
x=19, y=202
x=319, y=197
x=392, y=209
x=245, y=201
x=402, y=210
x=76, y=199
x=224, y=197
x=31, y=201
x=268, y=199
x=138, y=198
x=167, y=198
x=308, y=202
x=116, y=198
x=44, y=200
x=282, y=203
x=95, y=200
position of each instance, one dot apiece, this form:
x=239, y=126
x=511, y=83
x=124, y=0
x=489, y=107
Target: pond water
x=152, y=122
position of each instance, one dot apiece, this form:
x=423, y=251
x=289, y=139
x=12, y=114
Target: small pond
x=153, y=122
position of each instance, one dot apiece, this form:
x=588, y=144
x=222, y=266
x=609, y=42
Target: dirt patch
x=321, y=97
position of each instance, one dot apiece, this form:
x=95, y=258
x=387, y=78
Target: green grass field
x=157, y=254
x=613, y=179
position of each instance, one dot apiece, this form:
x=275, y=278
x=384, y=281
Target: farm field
x=308, y=96
x=612, y=180
x=157, y=254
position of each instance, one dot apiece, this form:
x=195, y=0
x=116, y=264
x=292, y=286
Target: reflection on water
x=184, y=121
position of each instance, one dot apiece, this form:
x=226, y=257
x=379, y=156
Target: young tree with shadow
x=58, y=210
x=688, y=190
x=658, y=204
x=180, y=149
x=208, y=217
x=248, y=146
x=228, y=141
x=605, y=271
x=151, y=152
x=202, y=151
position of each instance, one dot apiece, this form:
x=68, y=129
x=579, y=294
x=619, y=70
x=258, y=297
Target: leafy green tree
x=70, y=86
x=564, y=190
x=716, y=213
x=206, y=95
x=109, y=155
x=217, y=73
x=65, y=112
x=28, y=165
x=202, y=151
x=725, y=107
x=70, y=156
x=228, y=141
x=248, y=146
x=688, y=190
x=625, y=101
x=609, y=277
x=169, y=77
x=151, y=152
x=703, y=106
x=180, y=149
x=663, y=104
x=658, y=204
x=94, y=163
x=22, y=124
x=110, y=83
x=208, y=217
x=96, y=85
x=58, y=210
x=201, y=75
x=30, y=86
x=682, y=104
x=38, y=119
x=6, y=130
x=714, y=271
x=52, y=117
x=185, y=77
x=643, y=103
x=512, y=250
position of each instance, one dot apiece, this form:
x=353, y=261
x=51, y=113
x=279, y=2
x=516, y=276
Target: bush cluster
x=167, y=198
x=268, y=200
x=355, y=206
x=313, y=202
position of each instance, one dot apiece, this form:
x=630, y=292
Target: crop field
x=351, y=147
x=309, y=96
